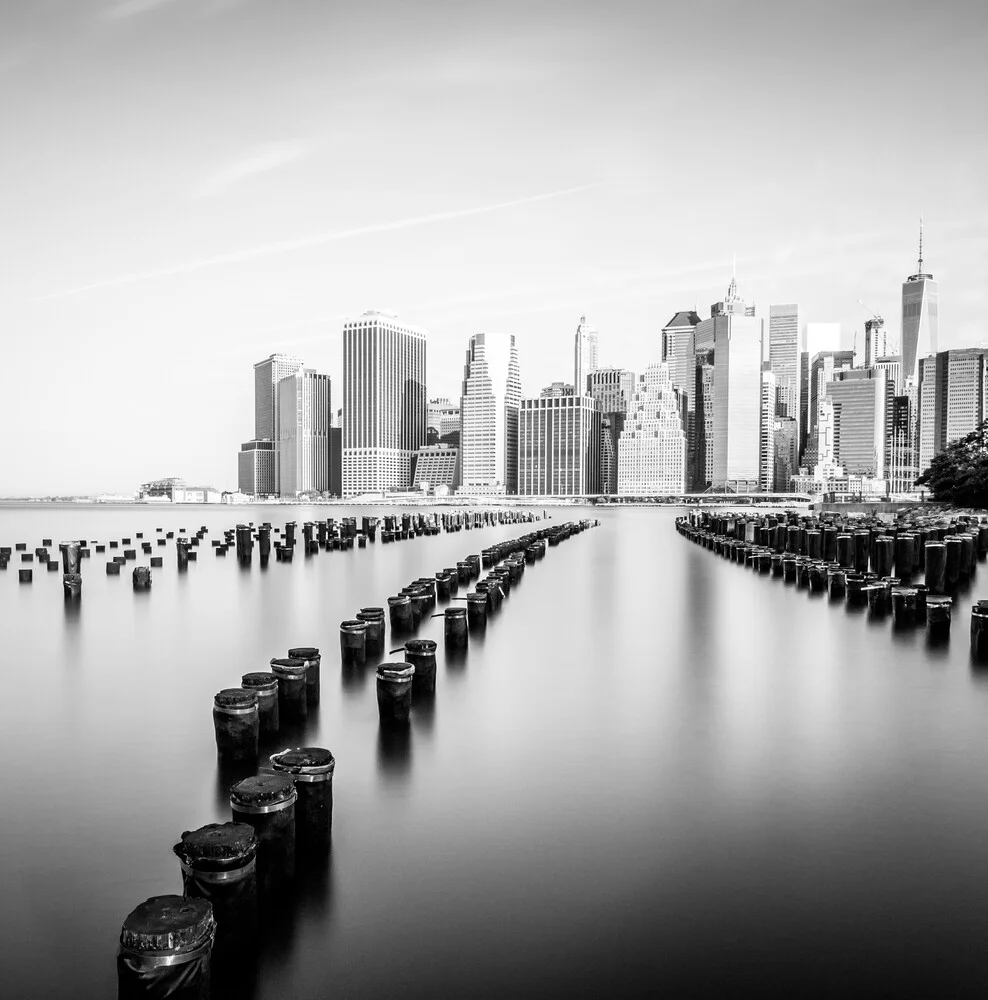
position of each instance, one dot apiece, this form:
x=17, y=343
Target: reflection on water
x=654, y=772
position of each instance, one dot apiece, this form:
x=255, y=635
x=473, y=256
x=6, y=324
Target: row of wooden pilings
x=854, y=561
x=176, y=945
x=328, y=535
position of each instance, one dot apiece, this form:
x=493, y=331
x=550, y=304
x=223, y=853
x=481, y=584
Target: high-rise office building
x=952, y=400
x=859, y=406
x=652, y=446
x=678, y=348
x=256, y=468
x=559, y=446
x=303, y=433
x=920, y=322
x=489, y=406
x=822, y=370
x=436, y=465
x=258, y=462
x=584, y=355
x=766, y=433
x=384, y=402
x=877, y=342
x=613, y=388
x=903, y=469
x=736, y=335
x=701, y=445
x=267, y=374
x=783, y=355
x=786, y=452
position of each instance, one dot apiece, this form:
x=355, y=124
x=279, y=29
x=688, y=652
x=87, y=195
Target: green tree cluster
x=959, y=474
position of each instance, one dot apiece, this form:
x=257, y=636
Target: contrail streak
x=319, y=239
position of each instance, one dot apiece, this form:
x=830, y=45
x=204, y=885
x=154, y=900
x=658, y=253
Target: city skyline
x=221, y=213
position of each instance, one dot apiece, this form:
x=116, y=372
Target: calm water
x=657, y=772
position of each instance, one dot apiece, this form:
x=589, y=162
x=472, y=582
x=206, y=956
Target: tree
x=959, y=473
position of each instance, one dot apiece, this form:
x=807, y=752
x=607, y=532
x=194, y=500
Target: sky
x=187, y=186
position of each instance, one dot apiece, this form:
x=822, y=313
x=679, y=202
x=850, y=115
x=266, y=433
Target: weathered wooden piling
x=219, y=864
x=979, y=632
x=455, y=631
x=142, y=578
x=883, y=556
x=265, y=686
x=353, y=643
x=165, y=949
x=400, y=610
x=938, y=613
x=394, y=692
x=903, y=607
x=292, y=702
x=182, y=552
x=952, y=564
x=266, y=802
x=421, y=654
x=477, y=601
x=311, y=769
x=113, y=568
x=936, y=566
x=373, y=618
x=235, y=720
x=25, y=575
x=313, y=661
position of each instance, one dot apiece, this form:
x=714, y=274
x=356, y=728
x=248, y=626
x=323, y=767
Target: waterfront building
x=303, y=433
x=384, y=402
x=443, y=422
x=952, y=399
x=267, y=376
x=256, y=468
x=613, y=388
x=559, y=446
x=786, y=452
x=557, y=389
x=920, y=321
x=335, y=462
x=436, y=465
x=177, y=491
x=678, y=348
x=804, y=399
x=837, y=485
x=652, y=445
x=736, y=334
x=859, y=400
x=489, y=405
x=902, y=463
x=584, y=354
x=784, y=357
x=701, y=445
x=766, y=432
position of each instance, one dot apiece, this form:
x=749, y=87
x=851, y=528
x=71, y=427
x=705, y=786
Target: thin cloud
x=259, y=160
x=320, y=239
x=132, y=8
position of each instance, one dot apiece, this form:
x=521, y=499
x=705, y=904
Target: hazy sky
x=189, y=185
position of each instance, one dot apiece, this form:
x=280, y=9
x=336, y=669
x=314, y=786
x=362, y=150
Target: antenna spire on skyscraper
x=920, y=270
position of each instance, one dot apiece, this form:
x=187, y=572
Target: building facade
x=256, y=465
x=678, y=348
x=783, y=356
x=304, y=408
x=613, y=389
x=556, y=389
x=489, y=405
x=443, y=422
x=652, y=446
x=859, y=401
x=920, y=320
x=584, y=355
x=435, y=466
x=766, y=433
x=384, y=402
x=952, y=399
x=559, y=446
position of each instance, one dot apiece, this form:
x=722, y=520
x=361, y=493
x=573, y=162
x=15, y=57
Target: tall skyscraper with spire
x=920, y=326
x=585, y=355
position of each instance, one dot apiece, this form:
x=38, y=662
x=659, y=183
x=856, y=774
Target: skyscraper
x=258, y=462
x=737, y=392
x=489, y=406
x=559, y=446
x=783, y=355
x=613, y=388
x=384, y=402
x=303, y=433
x=443, y=422
x=877, y=342
x=766, y=434
x=951, y=399
x=920, y=323
x=678, y=348
x=652, y=446
x=858, y=400
x=585, y=355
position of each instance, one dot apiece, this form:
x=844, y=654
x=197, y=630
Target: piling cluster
x=909, y=569
x=281, y=812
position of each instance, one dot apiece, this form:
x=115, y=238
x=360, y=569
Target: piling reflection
x=394, y=752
